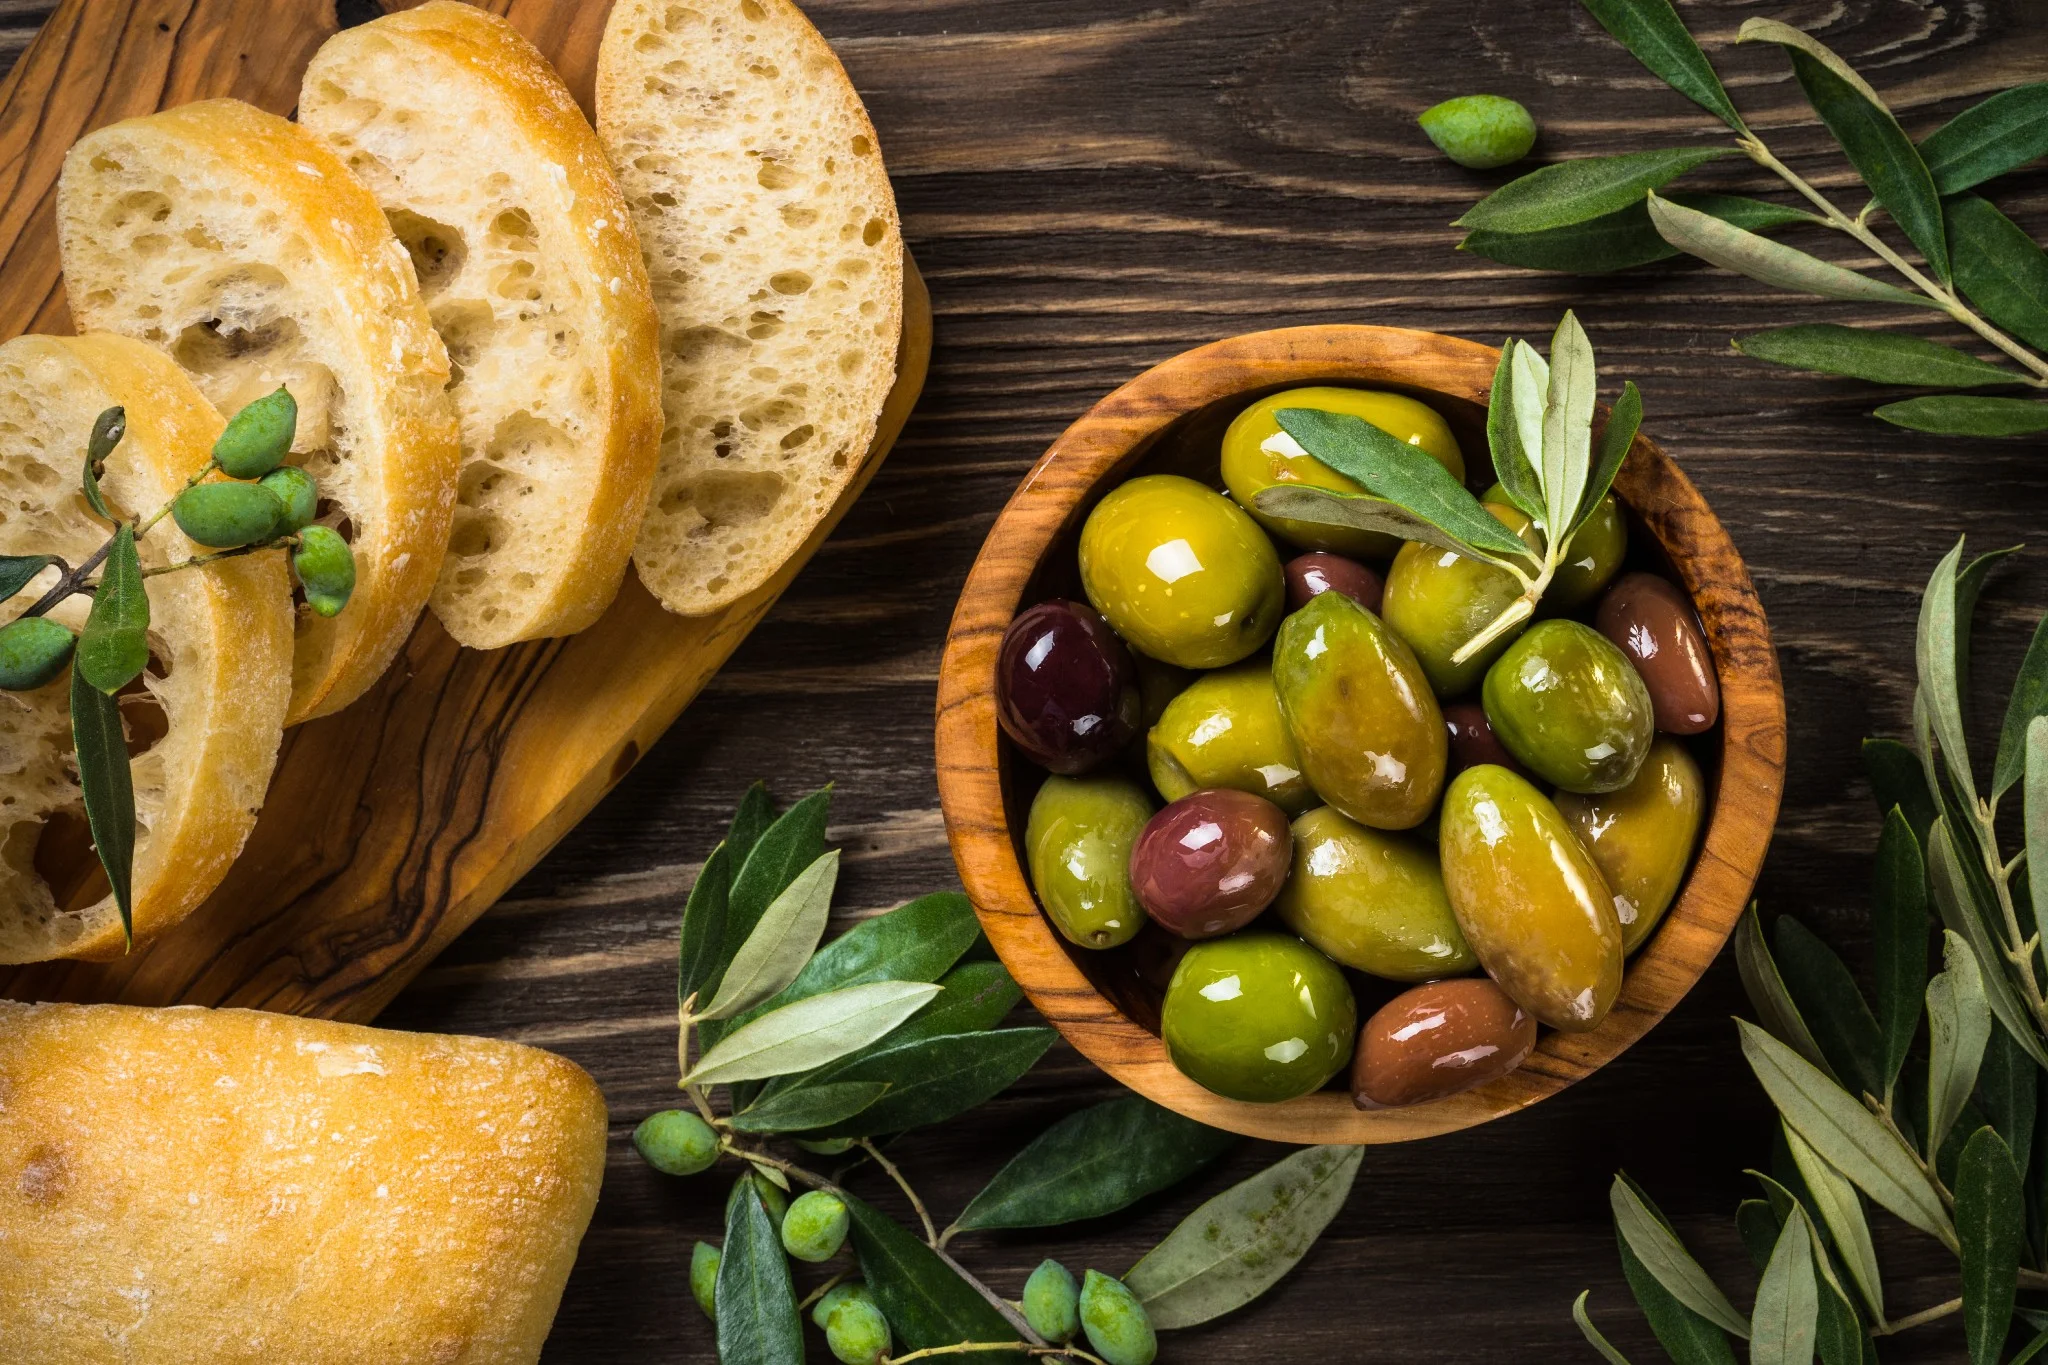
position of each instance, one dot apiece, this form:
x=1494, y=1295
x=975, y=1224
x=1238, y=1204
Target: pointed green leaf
x=1531, y=395
x=1845, y=1133
x=1942, y=623
x=2000, y=269
x=1093, y=1163
x=1990, y=1221
x=1574, y=191
x=703, y=924
x=1841, y=1213
x=1592, y=1333
x=1237, y=1246
x=1667, y=1260
x=1832, y=1006
x=1760, y=258
x=1686, y=1337
x=1962, y=414
x=1757, y=1224
x=972, y=997
x=925, y=1300
x=933, y=1079
x=801, y=1110
x=1986, y=140
x=1615, y=439
x=1787, y=1300
x=782, y=940
x=2029, y=702
x=1880, y=357
x=750, y=820
x=113, y=649
x=1512, y=462
x=1655, y=36
x=1773, y=1004
x=1622, y=239
x=2008, y=1087
x=1969, y=587
x=1320, y=507
x=1896, y=779
x=1899, y=927
x=101, y=749
x=757, y=1317
x=1838, y=1336
x=772, y=861
x=1567, y=424
x=1958, y=1026
x=811, y=1032
x=1963, y=913
x=18, y=571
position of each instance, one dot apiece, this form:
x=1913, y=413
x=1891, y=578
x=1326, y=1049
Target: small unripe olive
x=326, y=568
x=704, y=1260
x=821, y=1311
x=676, y=1142
x=772, y=1198
x=826, y=1146
x=258, y=437
x=1118, y=1326
x=815, y=1227
x=1052, y=1302
x=856, y=1330
x=226, y=516
x=298, y=492
x=33, y=652
x=1480, y=131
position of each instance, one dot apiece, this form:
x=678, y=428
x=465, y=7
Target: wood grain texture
x=1091, y=188
x=1169, y=419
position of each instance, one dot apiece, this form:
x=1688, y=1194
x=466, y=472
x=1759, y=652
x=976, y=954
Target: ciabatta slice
x=530, y=268
x=212, y=703
x=777, y=261
x=236, y=242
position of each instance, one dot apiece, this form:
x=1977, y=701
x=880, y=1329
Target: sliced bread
x=211, y=705
x=237, y=243
x=776, y=258
x=531, y=271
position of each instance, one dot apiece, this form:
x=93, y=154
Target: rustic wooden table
x=1090, y=188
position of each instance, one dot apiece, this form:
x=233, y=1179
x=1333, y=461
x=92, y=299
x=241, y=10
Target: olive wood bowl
x=1171, y=419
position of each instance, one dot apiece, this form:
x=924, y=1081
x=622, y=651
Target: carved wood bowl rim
x=1098, y=451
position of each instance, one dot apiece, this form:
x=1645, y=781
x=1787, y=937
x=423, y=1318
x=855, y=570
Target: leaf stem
x=822, y=1290
x=72, y=581
x=931, y=1234
x=1883, y=1112
x=1919, y=1319
x=196, y=560
x=1015, y=1347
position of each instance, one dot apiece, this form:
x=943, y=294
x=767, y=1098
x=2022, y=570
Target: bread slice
x=240, y=1188
x=777, y=259
x=213, y=699
x=532, y=273
x=237, y=243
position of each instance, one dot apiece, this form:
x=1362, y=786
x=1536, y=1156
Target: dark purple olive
x=1067, y=691
x=1211, y=861
x=1310, y=574
x=1653, y=623
x=1473, y=741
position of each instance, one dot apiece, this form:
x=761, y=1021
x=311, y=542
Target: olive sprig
x=1539, y=427
x=261, y=504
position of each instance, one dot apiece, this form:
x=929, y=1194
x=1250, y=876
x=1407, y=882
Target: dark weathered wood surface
x=1091, y=187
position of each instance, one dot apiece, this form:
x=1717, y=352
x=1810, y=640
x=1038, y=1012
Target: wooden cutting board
x=391, y=826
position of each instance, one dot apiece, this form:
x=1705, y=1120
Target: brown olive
x=1437, y=1040
x=1654, y=625
x=1473, y=741
x=1320, y=571
x=1211, y=861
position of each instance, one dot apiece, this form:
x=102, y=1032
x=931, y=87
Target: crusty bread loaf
x=213, y=698
x=180, y=1186
x=236, y=242
x=532, y=273
x=777, y=261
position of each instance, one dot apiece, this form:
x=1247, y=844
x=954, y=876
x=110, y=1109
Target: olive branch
x=1539, y=427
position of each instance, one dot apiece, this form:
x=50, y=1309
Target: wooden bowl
x=1171, y=419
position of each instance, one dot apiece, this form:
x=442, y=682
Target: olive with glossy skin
x=1078, y=841
x=1472, y=738
x=1181, y=572
x=1530, y=899
x=1480, y=131
x=1371, y=900
x=1593, y=557
x=1438, y=1040
x=1320, y=571
x=1571, y=707
x=1652, y=622
x=1211, y=861
x=1257, y=455
x=1258, y=1016
x=1437, y=600
x=1371, y=738
x=1159, y=684
x=1066, y=689
x=1642, y=836
x=1225, y=730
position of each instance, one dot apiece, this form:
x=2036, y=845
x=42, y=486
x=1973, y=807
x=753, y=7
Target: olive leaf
x=758, y=1322
x=1588, y=187
x=1616, y=437
x=917, y=941
x=1960, y=912
x=1686, y=1337
x=772, y=859
x=1958, y=1026
x=932, y=1079
x=750, y=820
x=1094, y=1162
x=1943, y=623
x=108, y=788
x=703, y=931
x=1757, y=1225
x=1829, y=1000
x=1988, y=139
x=925, y=1301
x=1841, y=1213
x=2000, y=269
x=1622, y=239
x=107, y=430
x=1787, y=1299
x=1762, y=259
x=1845, y=1133
x=113, y=649
x=1238, y=1245
x=1880, y=357
x=1991, y=1222
x=782, y=940
x=1654, y=34
x=798, y=1111
x=810, y=1032
x=1773, y=1004
x=1899, y=948
x=1514, y=463
x=1592, y=1333
x=1658, y=1249
x=1967, y=415
x=18, y=571
x=1321, y=507
x=2036, y=799
x=2028, y=703
x=1896, y=780
x=1567, y=424
x=1838, y=1335
x=1530, y=396
x=2007, y=1087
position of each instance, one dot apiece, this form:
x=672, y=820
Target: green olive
x=1181, y=572
x=1117, y=1325
x=227, y=516
x=1257, y=455
x=1372, y=901
x=256, y=439
x=855, y=1331
x=676, y=1142
x=326, y=568
x=1371, y=738
x=1078, y=841
x=1642, y=835
x=1259, y=1017
x=704, y=1261
x=33, y=652
x=1530, y=899
x=1052, y=1302
x=1570, y=706
x=1159, y=684
x=1437, y=600
x=294, y=488
x=815, y=1226
x=1225, y=730
x=1480, y=131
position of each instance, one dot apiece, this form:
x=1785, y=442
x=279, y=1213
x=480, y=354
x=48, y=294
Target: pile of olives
x=1347, y=807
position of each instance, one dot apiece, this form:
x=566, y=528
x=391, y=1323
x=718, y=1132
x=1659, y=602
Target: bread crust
x=242, y=1188
x=351, y=286
x=221, y=641
x=478, y=62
